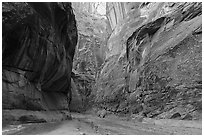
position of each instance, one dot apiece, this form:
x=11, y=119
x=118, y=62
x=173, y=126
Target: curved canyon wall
x=39, y=41
x=154, y=62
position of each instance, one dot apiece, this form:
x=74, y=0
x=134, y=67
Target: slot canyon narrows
x=102, y=68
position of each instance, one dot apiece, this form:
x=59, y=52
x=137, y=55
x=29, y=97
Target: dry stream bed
x=90, y=124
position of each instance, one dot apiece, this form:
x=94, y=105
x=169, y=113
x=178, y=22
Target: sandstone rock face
x=39, y=42
x=90, y=53
x=154, y=62
x=121, y=16
x=82, y=88
x=90, y=50
x=19, y=93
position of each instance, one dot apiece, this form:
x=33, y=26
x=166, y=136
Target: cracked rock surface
x=158, y=71
x=39, y=41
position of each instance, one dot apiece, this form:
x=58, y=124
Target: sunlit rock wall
x=91, y=49
x=154, y=63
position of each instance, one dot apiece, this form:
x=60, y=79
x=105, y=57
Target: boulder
x=187, y=117
x=102, y=113
x=20, y=116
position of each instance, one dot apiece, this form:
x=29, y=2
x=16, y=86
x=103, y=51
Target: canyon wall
x=90, y=49
x=39, y=41
x=137, y=58
x=90, y=52
x=154, y=62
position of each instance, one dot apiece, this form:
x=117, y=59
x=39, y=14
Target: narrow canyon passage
x=100, y=68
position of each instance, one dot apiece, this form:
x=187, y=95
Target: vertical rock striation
x=92, y=38
x=154, y=63
x=90, y=51
x=39, y=42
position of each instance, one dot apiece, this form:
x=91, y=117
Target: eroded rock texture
x=90, y=50
x=154, y=63
x=90, y=53
x=82, y=88
x=39, y=42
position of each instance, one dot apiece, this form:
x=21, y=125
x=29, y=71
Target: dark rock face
x=82, y=90
x=158, y=72
x=39, y=42
x=19, y=116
